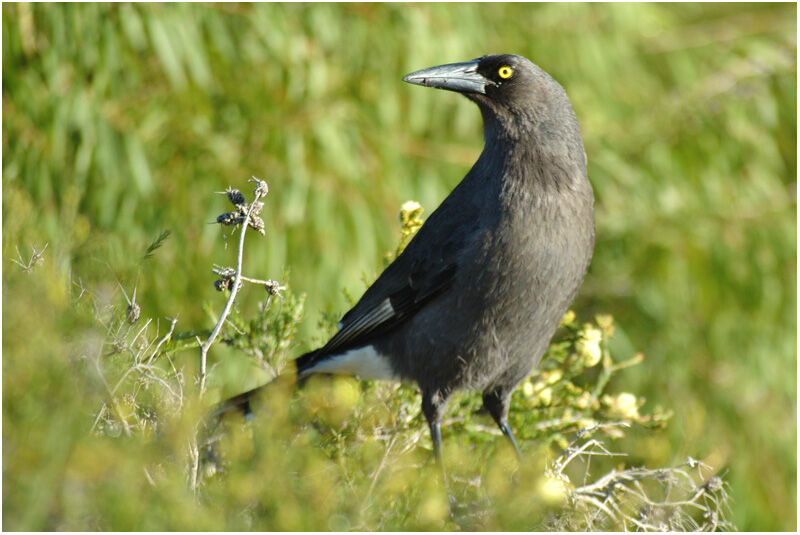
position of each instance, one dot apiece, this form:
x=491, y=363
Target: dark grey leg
x=504, y=427
x=436, y=438
x=433, y=406
x=496, y=403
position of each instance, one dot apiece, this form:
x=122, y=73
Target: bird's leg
x=506, y=429
x=436, y=438
x=433, y=406
x=496, y=403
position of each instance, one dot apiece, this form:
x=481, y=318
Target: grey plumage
x=475, y=297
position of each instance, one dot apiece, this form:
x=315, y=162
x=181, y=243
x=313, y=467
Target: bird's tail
x=304, y=363
x=242, y=402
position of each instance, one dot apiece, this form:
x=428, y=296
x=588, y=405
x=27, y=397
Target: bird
x=473, y=300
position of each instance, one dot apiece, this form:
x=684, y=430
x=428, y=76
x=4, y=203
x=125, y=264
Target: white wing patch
x=364, y=362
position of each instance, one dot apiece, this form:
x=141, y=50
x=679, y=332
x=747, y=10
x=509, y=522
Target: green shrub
x=346, y=454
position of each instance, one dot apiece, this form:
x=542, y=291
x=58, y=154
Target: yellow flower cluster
x=540, y=390
x=553, y=489
x=410, y=221
x=625, y=405
x=588, y=345
x=410, y=217
x=606, y=323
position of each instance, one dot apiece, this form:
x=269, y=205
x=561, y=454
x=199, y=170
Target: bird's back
x=525, y=243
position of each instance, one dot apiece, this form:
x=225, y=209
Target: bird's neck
x=537, y=154
x=532, y=163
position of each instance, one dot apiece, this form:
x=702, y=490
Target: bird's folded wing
x=425, y=269
x=400, y=301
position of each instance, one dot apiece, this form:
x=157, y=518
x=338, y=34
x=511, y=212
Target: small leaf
x=158, y=242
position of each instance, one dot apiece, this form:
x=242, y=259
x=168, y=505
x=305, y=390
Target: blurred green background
x=120, y=121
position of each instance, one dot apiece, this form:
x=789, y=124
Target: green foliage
x=268, y=336
x=118, y=120
x=337, y=454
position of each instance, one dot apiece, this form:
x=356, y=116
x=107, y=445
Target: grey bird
x=473, y=300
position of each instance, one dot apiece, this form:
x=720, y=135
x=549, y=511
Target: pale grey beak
x=459, y=77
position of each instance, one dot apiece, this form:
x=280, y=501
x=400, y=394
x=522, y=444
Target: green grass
x=119, y=121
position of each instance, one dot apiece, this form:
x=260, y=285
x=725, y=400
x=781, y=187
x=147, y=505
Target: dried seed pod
x=261, y=188
x=274, y=287
x=223, y=284
x=257, y=223
x=225, y=272
x=235, y=196
x=230, y=218
x=713, y=484
x=118, y=345
x=134, y=310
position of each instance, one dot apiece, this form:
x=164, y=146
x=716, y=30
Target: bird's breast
x=535, y=259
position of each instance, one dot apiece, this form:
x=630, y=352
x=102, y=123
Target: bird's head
x=508, y=88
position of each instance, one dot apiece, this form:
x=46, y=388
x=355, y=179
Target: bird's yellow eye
x=505, y=71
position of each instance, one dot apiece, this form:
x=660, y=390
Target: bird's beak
x=461, y=77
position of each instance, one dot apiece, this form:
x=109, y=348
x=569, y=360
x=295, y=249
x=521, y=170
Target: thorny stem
x=258, y=281
x=231, y=298
x=378, y=471
x=166, y=337
x=194, y=452
x=626, y=501
x=260, y=191
x=36, y=258
x=113, y=400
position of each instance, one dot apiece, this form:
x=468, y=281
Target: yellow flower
x=583, y=401
x=552, y=490
x=410, y=216
x=626, y=405
x=345, y=392
x=527, y=389
x=410, y=222
x=588, y=345
x=552, y=376
x=546, y=396
x=606, y=323
x=568, y=318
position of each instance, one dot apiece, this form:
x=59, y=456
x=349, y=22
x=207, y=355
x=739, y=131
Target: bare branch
x=260, y=190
